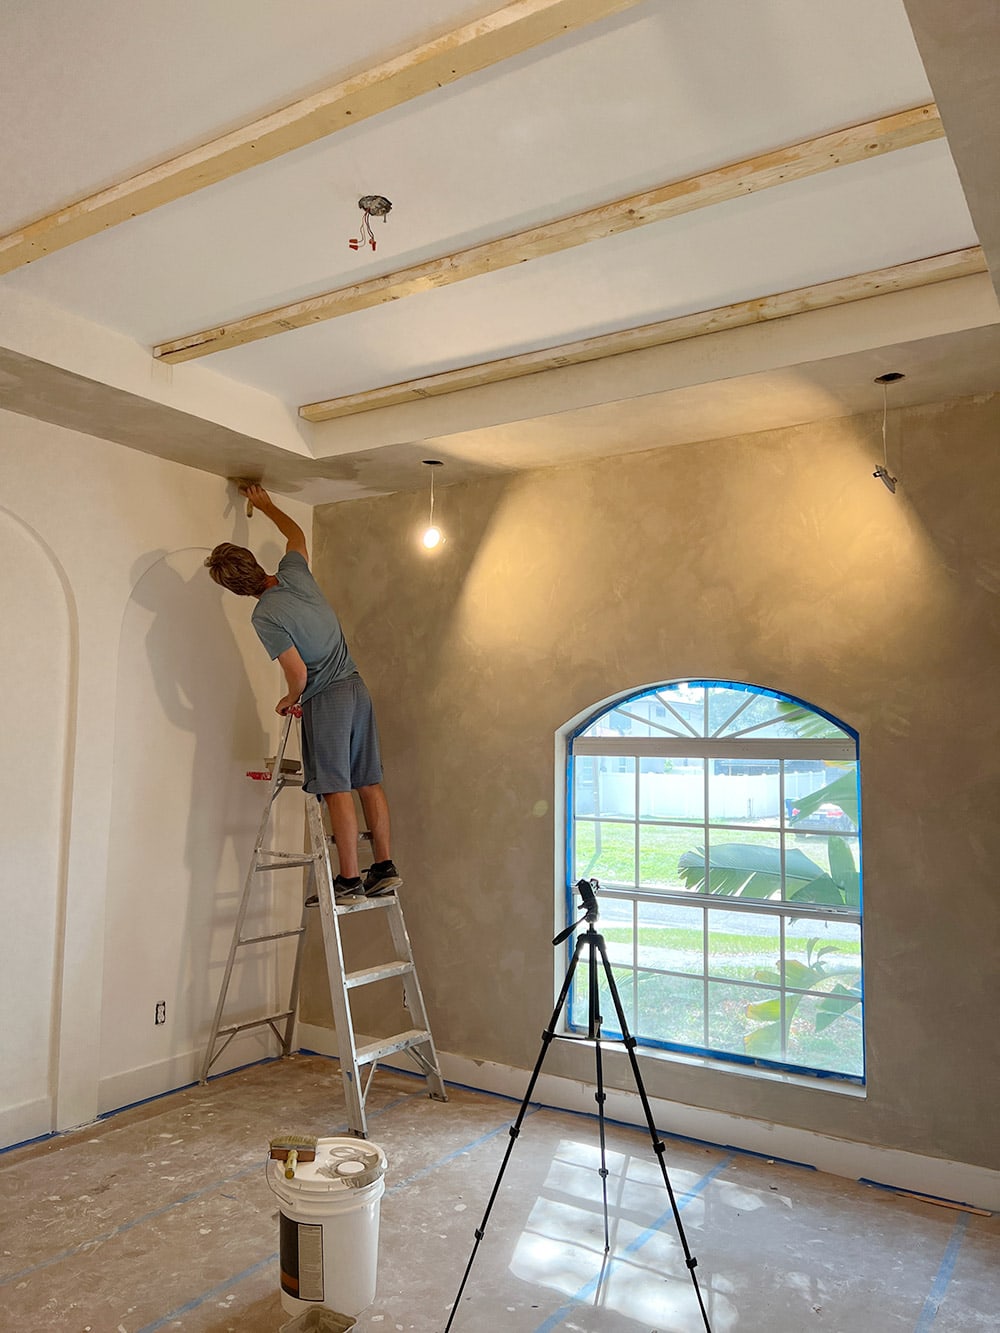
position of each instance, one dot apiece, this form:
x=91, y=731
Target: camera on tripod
x=588, y=890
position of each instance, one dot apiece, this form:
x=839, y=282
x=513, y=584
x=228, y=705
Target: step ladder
x=281, y=774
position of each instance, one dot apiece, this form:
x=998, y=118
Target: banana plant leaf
x=837, y=1003
x=767, y=1039
x=745, y=870
x=842, y=791
x=805, y=721
x=844, y=872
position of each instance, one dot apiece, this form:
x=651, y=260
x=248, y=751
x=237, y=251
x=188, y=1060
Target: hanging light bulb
x=882, y=471
x=433, y=536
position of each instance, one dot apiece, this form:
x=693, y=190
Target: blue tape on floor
x=217, y=1290
x=458, y=1152
x=594, y=1285
x=85, y=1245
x=208, y=1295
x=127, y=1226
x=940, y=1285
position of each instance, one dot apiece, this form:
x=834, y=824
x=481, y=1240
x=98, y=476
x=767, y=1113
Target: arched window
x=722, y=823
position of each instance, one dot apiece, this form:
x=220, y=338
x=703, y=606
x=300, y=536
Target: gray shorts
x=339, y=738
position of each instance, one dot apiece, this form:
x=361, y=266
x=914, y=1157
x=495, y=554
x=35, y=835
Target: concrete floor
x=159, y=1218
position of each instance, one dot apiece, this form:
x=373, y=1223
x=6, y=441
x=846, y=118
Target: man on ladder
x=340, y=750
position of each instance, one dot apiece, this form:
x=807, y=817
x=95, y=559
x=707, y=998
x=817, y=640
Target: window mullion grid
x=635, y=966
x=688, y=729
x=782, y=973
x=635, y=903
x=704, y=910
x=637, y=815
x=732, y=717
x=780, y=749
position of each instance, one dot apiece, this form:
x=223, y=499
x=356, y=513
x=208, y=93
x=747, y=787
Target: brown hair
x=236, y=568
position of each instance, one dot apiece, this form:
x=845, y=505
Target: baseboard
x=959, y=1182
x=179, y=1071
x=26, y=1121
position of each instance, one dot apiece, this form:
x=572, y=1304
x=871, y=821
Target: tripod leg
x=594, y=1032
x=515, y=1128
x=658, y=1146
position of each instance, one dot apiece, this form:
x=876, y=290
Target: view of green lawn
x=606, y=851
x=664, y=993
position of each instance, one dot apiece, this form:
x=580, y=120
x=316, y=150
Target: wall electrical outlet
x=161, y=1012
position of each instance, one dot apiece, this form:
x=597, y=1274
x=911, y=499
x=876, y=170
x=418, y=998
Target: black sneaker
x=348, y=890
x=382, y=878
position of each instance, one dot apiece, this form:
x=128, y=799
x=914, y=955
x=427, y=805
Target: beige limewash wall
x=774, y=559
x=133, y=697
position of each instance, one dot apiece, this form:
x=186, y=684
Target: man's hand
x=289, y=704
x=294, y=536
x=257, y=496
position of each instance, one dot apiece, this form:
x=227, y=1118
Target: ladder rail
x=334, y=953
x=413, y=999
x=357, y=1063
x=274, y=787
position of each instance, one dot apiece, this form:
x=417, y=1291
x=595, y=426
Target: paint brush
x=239, y=482
x=292, y=1149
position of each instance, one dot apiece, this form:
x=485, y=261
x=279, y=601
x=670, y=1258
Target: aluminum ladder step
x=366, y=904
x=417, y=1042
x=378, y=1050
x=263, y=939
x=284, y=861
x=232, y=1030
x=366, y=976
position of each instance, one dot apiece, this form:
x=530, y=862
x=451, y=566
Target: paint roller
x=292, y=1149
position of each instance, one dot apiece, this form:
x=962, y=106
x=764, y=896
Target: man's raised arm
x=288, y=528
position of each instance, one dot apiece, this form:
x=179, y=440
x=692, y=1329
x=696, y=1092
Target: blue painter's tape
x=101, y=1239
x=457, y=1152
x=27, y=1143
x=768, y=1157
x=130, y=1106
x=208, y=1295
x=127, y=1226
x=940, y=1285
x=595, y=1284
x=916, y=1194
x=217, y=1290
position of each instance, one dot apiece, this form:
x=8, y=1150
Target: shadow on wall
x=187, y=727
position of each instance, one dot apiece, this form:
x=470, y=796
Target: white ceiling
x=100, y=89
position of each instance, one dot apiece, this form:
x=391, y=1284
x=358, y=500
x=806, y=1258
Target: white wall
x=133, y=697
x=35, y=669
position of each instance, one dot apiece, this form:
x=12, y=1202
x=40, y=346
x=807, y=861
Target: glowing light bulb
x=433, y=535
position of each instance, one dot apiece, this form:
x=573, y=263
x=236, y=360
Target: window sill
x=817, y=1083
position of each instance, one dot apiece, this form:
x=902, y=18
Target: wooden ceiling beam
x=507, y=32
x=860, y=142
x=841, y=291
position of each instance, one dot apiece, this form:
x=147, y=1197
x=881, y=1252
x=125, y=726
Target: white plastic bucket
x=329, y=1226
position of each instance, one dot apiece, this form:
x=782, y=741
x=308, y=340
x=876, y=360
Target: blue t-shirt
x=296, y=614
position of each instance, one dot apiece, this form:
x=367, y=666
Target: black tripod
x=594, y=944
